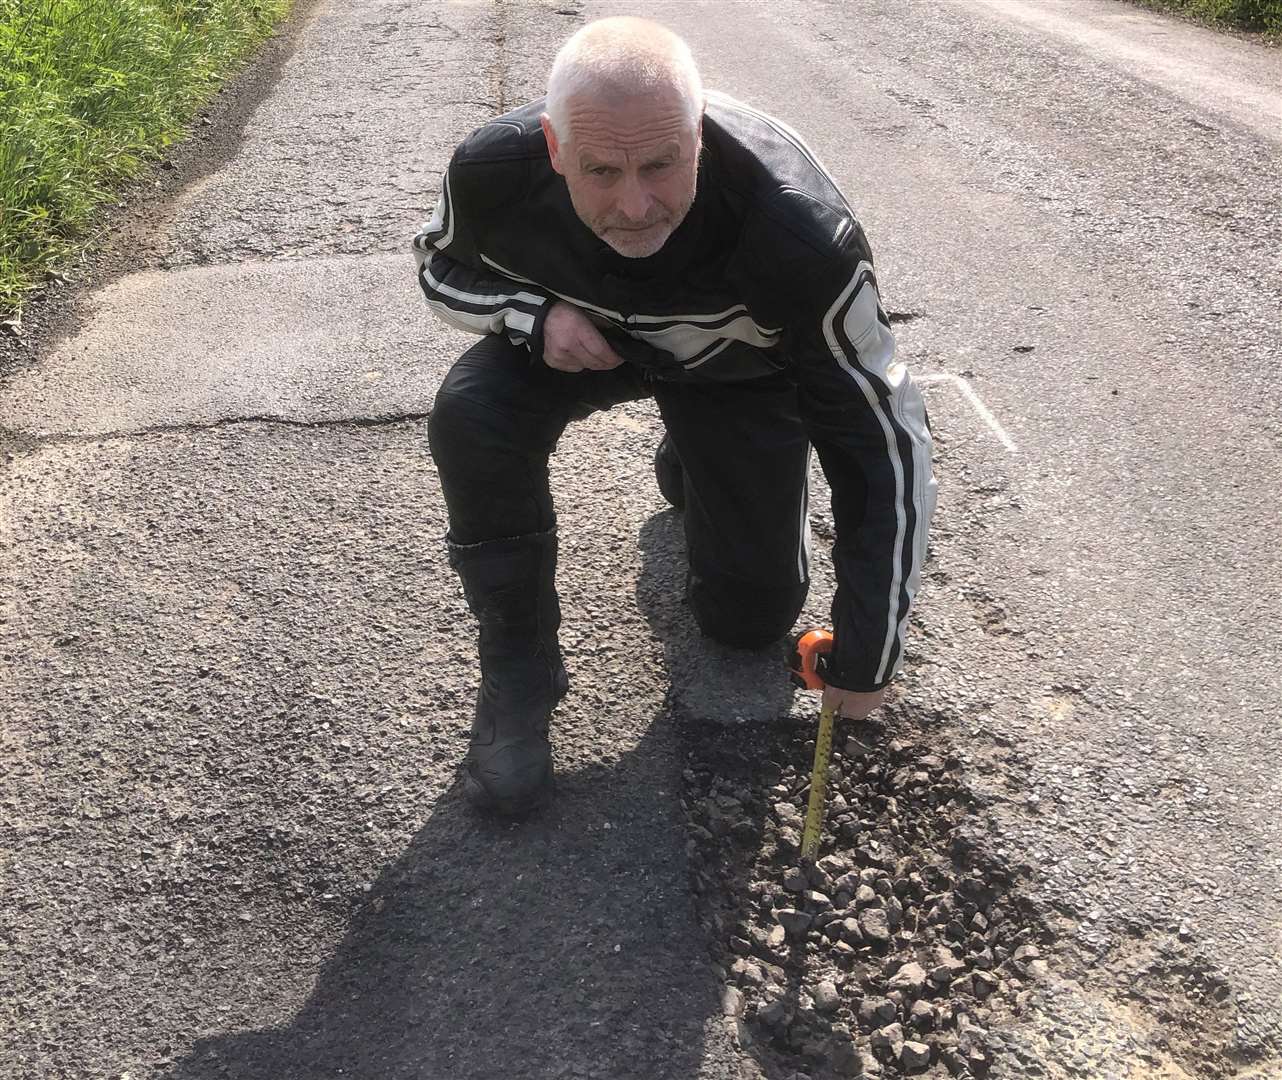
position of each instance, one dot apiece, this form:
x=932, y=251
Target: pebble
x=787, y=813
x=732, y=1003
x=827, y=1000
x=922, y=1016
x=794, y=879
x=914, y=1056
x=795, y=923
x=875, y=1011
x=773, y=1015
x=911, y=978
x=874, y=925
x=985, y=983
x=834, y=865
x=889, y=1038
x=847, y=883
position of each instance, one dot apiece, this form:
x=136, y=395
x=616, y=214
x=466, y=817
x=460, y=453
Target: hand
x=852, y=704
x=572, y=343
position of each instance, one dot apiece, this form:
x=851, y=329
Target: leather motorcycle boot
x=510, y=587
x=670, y=474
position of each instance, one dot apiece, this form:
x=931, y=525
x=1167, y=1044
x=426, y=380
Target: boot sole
x=484, y=800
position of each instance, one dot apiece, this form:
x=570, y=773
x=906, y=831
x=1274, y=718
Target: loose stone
x=888, y=1039
x=914, y=1056
x=985, y=983
x=795, y=923
x=794, y=879
x=874, y=1012
x=922, y=1016
x=827, y=1000
x=732, y=1002
x=874, y=926
x=772, y=1015
x=911, y=978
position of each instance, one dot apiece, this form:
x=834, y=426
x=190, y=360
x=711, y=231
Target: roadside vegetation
x=1256, y=15
x=91, y=91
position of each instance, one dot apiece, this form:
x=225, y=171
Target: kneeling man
x=630, y=236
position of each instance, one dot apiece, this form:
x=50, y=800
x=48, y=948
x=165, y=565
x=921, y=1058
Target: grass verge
x=1261, y=16
x=91, y=91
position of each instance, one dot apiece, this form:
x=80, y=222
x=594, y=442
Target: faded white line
x=968, y=392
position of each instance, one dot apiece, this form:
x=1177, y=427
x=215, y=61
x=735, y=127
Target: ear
x=554, y=145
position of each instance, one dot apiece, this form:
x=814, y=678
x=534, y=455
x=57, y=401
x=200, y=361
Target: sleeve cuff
x=535, y=340
x=848, y=677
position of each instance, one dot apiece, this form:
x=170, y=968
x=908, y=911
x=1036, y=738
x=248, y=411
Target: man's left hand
x=852, y=704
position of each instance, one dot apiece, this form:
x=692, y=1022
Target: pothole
x=892, y=955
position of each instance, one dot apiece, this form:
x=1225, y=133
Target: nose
x=634, y=199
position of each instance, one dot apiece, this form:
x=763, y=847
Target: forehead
x=635, y=126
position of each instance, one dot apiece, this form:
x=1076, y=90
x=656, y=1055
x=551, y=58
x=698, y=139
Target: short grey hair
x=618, y=59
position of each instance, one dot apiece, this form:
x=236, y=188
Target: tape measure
x=809, y=665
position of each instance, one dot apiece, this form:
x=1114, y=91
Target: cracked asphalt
x=237, y=669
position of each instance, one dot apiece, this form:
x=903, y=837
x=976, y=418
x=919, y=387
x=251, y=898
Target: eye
x=600, y=170
x=658, y=166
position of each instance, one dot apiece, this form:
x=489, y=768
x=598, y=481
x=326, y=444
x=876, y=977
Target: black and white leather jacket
x=769, y=271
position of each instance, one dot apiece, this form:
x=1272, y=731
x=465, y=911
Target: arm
x=460, y=288
x=464, y=292
x=867, y=421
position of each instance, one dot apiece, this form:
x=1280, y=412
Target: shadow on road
x=564, y=946
x=490, y=950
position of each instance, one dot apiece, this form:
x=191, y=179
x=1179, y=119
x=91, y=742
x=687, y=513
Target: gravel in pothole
x=890, y=956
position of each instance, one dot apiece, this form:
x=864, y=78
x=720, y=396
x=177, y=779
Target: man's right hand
x=572, y=343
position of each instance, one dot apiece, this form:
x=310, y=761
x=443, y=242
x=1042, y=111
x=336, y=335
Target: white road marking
x=969, y=394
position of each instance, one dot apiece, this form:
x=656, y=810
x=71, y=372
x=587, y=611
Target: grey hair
x=618, y=59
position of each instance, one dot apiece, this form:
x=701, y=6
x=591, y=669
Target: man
x=626, y=238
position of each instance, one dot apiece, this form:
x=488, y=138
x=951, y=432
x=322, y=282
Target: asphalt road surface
x=237, y=670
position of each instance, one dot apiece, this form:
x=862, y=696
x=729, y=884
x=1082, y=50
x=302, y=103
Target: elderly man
x=626, y=237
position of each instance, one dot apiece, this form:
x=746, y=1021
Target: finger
x=560, y=361
x=595, y=350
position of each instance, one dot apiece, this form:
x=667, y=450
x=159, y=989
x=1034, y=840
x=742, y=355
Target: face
x=631, y=168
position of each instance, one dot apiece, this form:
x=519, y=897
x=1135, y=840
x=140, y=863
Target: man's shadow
x=554, y=947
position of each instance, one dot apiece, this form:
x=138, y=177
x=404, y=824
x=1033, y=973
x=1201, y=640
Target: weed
x=90, y=92
x=1256, y=15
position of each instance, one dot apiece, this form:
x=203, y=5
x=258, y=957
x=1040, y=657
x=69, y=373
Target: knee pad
x=744, y=614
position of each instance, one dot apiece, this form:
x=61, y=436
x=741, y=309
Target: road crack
x=12, y=441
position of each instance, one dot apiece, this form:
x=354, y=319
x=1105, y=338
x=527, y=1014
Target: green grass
x=91, y=91
x=1257, y=15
